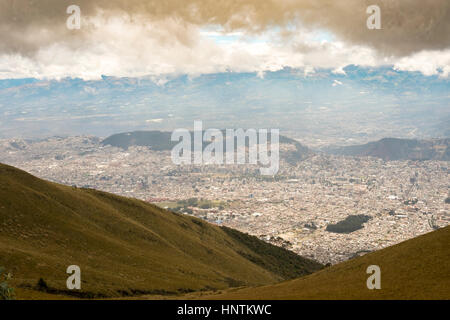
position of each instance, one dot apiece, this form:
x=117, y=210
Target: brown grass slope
x=125, y=246
x=415, y=269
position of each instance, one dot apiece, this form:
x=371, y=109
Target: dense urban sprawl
x=292, y=209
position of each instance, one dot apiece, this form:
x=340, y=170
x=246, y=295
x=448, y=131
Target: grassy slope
x=124, y=245
x=415, y=269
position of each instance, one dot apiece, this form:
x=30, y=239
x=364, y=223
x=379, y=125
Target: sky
x=131, y=38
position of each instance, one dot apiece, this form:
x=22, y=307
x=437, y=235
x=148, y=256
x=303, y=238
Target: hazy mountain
x=399, y=149
x=125, y=246
x=361, y=103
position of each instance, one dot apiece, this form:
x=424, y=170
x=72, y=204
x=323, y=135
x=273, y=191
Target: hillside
x=125, y=246
x=414, y=269
x=399, y=149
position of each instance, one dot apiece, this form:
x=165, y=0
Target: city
x=292, y=209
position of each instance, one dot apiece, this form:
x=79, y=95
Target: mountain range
x=358, y=103
x=386, y=149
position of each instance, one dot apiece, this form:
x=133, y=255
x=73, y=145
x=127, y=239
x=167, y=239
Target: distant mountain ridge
x=399, y=149
x=288, y=99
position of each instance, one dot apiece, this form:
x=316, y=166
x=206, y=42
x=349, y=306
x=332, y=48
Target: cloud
x=407, y=26
x=427, y=62
x=135, y=38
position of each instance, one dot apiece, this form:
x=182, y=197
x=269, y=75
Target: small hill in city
x=414, y=269
x=399, y=149
x=161, y=141
x=123, y=246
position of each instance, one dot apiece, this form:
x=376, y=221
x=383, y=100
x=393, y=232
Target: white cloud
x=427, y=62
x=339, y=70
x=118, y=47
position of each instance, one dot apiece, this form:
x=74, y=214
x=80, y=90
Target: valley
x=293, y=209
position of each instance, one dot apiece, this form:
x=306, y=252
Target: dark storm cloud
x=407, y=26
